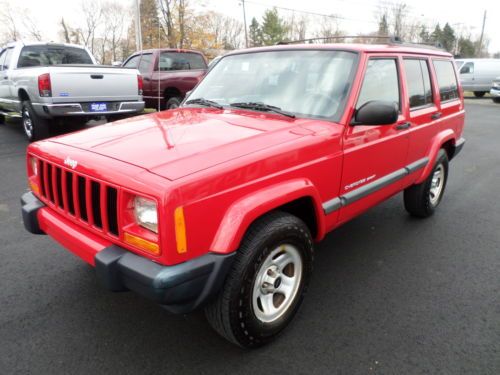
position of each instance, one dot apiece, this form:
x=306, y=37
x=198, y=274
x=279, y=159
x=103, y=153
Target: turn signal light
x=141, y=243
x=180, y=230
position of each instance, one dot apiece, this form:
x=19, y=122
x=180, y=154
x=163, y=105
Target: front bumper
x=495, y=92
x=179, y=289
x=81, y=109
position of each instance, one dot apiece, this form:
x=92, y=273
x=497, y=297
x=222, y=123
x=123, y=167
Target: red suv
x=218, y=204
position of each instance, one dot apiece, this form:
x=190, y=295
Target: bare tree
x=115, y=14
x=168, y=20
x=31, y=26
x=8, y=22
x=65, y=31
x=92, y=16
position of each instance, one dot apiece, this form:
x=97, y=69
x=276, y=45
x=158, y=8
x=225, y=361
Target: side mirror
x=188, y=93
x=116, y=63
x=376, y=112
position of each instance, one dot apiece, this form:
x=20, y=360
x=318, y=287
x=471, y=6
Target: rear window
x=448, y=86
x=45, y=55
x=418, y=82
x=181, y=61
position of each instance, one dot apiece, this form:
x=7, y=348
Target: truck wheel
x=496, y=100
x=267, y=282
x=479, y=94
x=421, y=200
x=34, y=126
x=173, y=103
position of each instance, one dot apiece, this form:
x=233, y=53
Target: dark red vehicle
x=217, y=204
x=168, y=74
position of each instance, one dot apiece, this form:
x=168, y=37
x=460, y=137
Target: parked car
x=495, y=90
x=43, y=82
x=218, y=204
x=168, y=74
x=477, y=74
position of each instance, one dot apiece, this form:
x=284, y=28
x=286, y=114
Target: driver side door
x=374, y=155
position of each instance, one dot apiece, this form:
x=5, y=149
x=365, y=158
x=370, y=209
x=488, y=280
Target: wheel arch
x=444, y=140
x=297, y=197
x=23, y=95
x=171, y=92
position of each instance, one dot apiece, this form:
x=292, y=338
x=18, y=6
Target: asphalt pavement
x=390, y=294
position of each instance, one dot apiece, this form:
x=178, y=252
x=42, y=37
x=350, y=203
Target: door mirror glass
x=376, y=112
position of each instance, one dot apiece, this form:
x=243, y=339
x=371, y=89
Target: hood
x=174, y=144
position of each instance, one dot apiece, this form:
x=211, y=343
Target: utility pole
x=482, y=34
x=245, y=23
x=138, y=34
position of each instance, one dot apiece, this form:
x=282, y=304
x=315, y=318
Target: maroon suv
x=168, y=74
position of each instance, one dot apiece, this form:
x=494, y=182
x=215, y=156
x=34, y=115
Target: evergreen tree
x=254, y=34
x=437, y=35
x=274, y=28
x=466, y=48
x=448, y=38
x=424, y=35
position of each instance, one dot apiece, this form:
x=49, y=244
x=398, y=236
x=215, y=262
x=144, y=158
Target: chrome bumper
x=78, y=109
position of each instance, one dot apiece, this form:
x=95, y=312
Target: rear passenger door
x=374, y=155
x=423, y=113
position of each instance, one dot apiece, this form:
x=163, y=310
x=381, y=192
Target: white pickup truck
x=45, y=83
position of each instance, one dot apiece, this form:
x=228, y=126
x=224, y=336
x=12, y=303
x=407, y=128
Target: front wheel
x=479, y=94
x=422, y=200
x=267, y=282
x=35, y=127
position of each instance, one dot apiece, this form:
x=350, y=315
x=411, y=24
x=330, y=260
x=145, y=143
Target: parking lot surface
x=390, y=294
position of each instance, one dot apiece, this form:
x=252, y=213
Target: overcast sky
x=358, y=16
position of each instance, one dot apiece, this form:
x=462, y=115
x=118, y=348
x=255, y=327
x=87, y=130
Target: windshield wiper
x=205, y=102
x=258, y=106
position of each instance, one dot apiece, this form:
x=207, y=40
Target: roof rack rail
x=391, y=40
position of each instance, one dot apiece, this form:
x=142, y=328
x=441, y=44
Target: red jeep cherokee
x=217, y=204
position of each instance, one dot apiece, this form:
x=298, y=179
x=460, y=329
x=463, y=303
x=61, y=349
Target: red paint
x=229, y=167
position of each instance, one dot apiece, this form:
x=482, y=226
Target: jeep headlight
x=146, y=213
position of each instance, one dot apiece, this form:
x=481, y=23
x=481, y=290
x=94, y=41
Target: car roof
x=179, y=50
x=23, y=43
x=354, y=47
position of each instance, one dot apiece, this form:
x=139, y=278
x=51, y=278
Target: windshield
x=307, y=83
x=45, y=55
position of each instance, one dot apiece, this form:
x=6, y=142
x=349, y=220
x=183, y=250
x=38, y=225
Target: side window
x=2, y=58
x=468, y=68
x=448, y=86
x=133, y=62
x=145, y=64
x=380, y=83
x=181, y=61
x=418, y=82
x=8, y=54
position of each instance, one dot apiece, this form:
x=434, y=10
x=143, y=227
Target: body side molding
x=336, y=203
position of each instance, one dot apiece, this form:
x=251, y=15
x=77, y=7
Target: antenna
x=159, y=55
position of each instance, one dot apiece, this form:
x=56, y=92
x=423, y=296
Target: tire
x=173, y=103
x=422, y=200
x=496, y=100
x=272, y=244
x=35, y=128
x=479, y=94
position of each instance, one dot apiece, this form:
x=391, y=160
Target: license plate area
x=98, y=107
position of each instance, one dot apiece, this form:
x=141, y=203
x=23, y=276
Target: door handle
x=403, y=126
x=436, y=115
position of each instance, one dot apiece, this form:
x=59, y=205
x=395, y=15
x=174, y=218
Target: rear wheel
x=34, y=126
x=422, y=200
x=173, y=103
x=267, y=282
x=479, y=94
x=496, y=100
